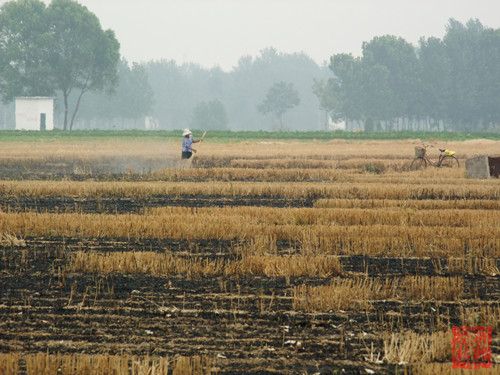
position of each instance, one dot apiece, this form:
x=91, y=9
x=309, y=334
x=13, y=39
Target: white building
x=150, y=123
x=33, y=113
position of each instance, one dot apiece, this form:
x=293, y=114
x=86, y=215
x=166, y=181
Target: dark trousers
x=186, y=154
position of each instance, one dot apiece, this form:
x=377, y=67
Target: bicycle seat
x=442, y=150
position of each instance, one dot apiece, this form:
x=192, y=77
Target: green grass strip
x=222, y=136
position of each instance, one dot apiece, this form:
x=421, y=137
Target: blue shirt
x=187, y=144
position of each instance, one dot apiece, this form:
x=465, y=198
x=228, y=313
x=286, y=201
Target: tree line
x=451, y=83
x=234, y=99
x=61, y=50
x=271, y=91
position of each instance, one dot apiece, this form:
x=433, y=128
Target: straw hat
x=186, y=132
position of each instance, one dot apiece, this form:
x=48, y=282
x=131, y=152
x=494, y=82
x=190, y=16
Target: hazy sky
x=219, y=32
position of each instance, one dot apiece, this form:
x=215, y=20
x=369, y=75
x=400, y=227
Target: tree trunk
x=65, y=94
x=77, y=107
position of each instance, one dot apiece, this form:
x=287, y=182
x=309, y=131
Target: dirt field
x=255, y=257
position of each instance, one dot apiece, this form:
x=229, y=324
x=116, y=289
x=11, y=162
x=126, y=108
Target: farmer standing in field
x=187, y=144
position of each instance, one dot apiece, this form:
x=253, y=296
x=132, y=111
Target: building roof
x=34, y=97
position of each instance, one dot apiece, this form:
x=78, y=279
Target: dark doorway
x=494, y=166
x=43, y=121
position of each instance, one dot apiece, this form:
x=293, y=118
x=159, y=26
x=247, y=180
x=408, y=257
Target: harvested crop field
x=255, y=257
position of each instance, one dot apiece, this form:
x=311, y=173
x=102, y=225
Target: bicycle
x=446, y=158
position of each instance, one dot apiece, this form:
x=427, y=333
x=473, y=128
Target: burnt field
x=249, y=259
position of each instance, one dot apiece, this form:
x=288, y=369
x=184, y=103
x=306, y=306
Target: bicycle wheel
x=418, y=163
x=450, y=162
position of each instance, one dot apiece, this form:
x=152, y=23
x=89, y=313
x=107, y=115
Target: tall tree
x=473, y=52
x=489, y=73
x=280, y=98
x=131, y=100
x=84, y=56
x=393, y=63
x=328, y=94
x=435, y=74
x=347, y=85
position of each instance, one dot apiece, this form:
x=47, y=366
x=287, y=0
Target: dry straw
x=7, y=239
x=377, y=189
x=325, y=234
x=170, y=265
x=428, y=204
x=100, y=364
x=473, y=266
x=487, y=315
x=98, y=149
x=410, y=347
x=447, y=369
x=358, y=293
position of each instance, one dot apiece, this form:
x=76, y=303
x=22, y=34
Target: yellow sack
x=449, y=153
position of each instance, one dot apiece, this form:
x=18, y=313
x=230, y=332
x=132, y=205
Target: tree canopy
x=24, y=50
x=280, y=98
x=210, y=115
x=452, y=82
x=131, y=101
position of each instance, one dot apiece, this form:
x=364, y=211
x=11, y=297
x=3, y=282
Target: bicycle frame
x=438, y=164
x=439, y=161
